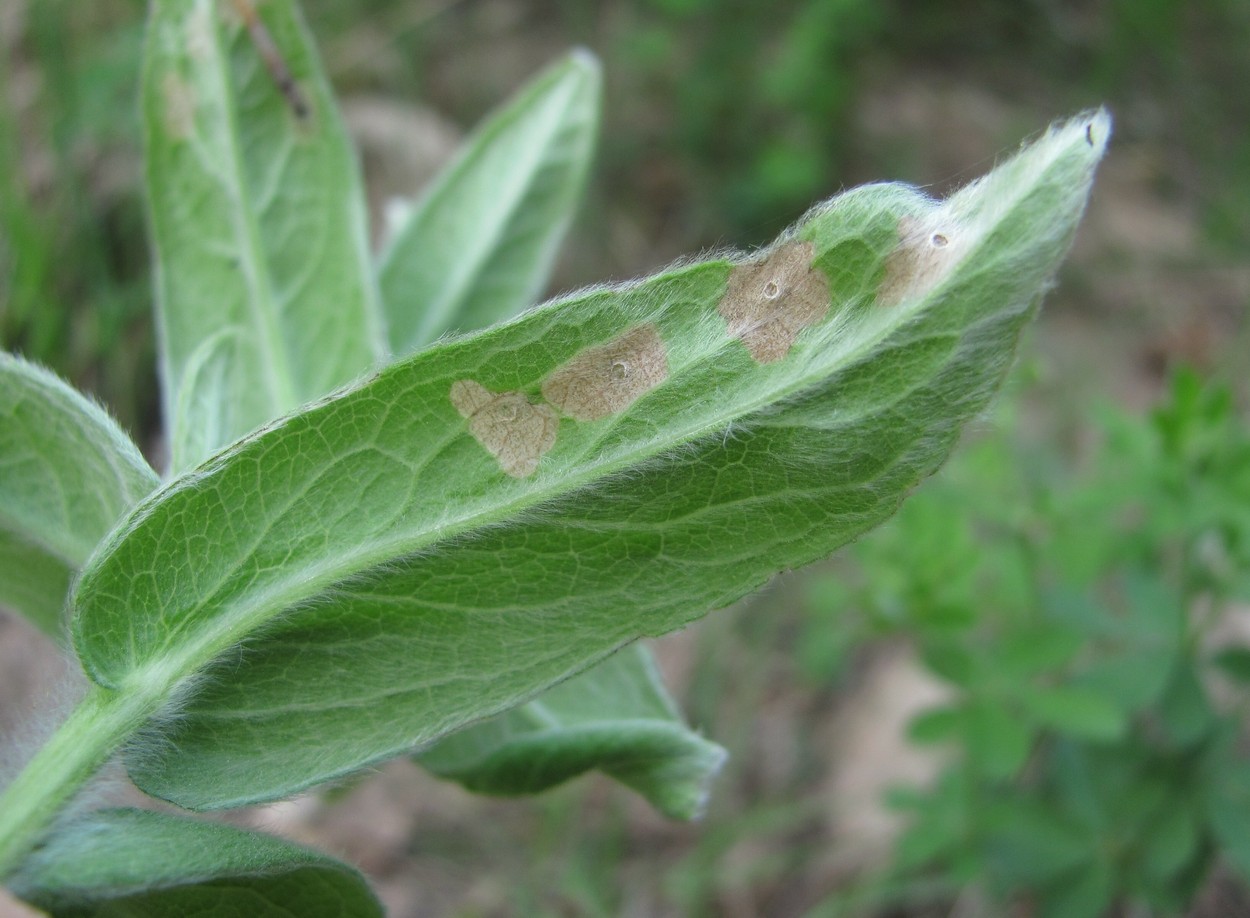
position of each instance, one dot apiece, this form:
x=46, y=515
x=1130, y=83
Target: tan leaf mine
x=768, y=302
x=179, y=106
x=926, y=252
x=510, y=428
x=604, y=380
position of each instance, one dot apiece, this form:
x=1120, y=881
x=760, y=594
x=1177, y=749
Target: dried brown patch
x=602, y=381
x=768, y=302
x=926, y=252
x=179, y=106
x=510, y=428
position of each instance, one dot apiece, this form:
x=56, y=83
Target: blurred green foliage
x=1086, y=620
x=757, y=98
x=73, y=261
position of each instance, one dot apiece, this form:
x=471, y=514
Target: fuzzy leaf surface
x=67, y=474
x=478, y=246
x=441, y=542
x=265, y=293
x=140, y=864
x=616, y=718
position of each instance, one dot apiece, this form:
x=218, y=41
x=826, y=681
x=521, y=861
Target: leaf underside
x=615, y=717
x=67, y=474
x=265, y=292
x=478, y=246
x=498, y=512
x=140, y=864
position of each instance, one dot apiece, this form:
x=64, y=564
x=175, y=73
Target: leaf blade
x=479, y=245
x=142, y=864
x=257, y=222
x=615, y=718
x=67, y=475
x=385, y=533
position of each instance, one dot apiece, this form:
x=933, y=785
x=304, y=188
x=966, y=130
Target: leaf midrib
x=254, y=610
x=261, y=304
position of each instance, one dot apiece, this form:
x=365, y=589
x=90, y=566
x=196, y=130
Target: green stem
x=88, y=738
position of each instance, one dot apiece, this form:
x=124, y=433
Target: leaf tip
x=585, y=63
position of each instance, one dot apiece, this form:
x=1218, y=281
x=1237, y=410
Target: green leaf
x=67, y=474
x=376, y=571
x=1226, y=801
x=1076, y=711
x=1133, y=679
x=998, y=740
x=616, y=718
x=479, y=245
x=1185, y=711
x=1169, y=843
x=1085, y=895
x=138, y=864
x=265, y=293
x=1028, y=844
x=937, y=725
x=1234, y=662
x=1034, y=650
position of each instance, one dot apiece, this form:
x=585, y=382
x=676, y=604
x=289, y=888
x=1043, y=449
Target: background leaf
x=615, y=717
x=478, y=246
x=264, y=289
x=148, y=865
x=67, y=474
x=1076, y=711
x=394, y=580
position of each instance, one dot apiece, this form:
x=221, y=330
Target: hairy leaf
x=265, y=294
x=138, y=864
x=615, y=717
x=500, y=511
x=478, y=247
x=67, y=474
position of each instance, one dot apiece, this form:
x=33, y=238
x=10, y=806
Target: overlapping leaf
x=616, y=718
x=266, y=297
x=67, y=474
x=148, y=865
x=479, y=245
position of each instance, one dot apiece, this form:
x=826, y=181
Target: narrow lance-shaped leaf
x=615, y=717
x=67, y=474
x=479, y=245
x=500, y=511
x=149, y=865
x=265, y=293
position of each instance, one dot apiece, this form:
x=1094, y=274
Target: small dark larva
x=279, y=72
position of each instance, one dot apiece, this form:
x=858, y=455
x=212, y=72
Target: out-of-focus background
x=1025, y=695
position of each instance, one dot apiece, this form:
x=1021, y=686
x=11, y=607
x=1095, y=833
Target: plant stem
x=90, y=735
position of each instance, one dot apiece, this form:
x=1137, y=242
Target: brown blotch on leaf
x=605, y=380
x=925, y=253
x=179, y=106
x=768, y=302
x=510, y=428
